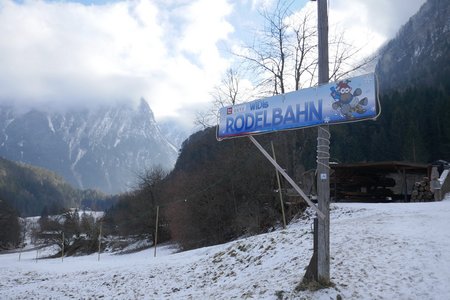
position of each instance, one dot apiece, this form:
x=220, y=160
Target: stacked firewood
x=421, y=191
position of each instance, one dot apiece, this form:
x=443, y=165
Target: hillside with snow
x=378, y=251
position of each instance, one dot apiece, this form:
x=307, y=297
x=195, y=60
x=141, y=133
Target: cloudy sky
x=171, y=52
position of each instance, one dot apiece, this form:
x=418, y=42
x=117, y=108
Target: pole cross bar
x=288, y=178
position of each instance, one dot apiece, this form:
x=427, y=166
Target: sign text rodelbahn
x=343, y=101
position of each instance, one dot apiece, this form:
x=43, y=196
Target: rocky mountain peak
x=145, y=108
x=102, y=148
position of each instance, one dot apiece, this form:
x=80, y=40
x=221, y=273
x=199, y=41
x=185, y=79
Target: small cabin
x=380, y=182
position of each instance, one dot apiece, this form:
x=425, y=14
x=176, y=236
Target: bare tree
x=267, y=57
x=344, y=57
x=150, y=184
x=226, y=93
x=305, y=60
x=284, y=55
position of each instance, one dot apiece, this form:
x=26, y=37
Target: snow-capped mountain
x=175, y=132
x=419, y=55
x=103, y=148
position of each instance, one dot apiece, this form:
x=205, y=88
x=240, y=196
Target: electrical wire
x=192, y=196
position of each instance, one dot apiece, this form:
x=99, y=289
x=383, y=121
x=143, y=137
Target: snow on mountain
x=175, y=132
x=378, y=251
x=419, y=54
x=103, y=148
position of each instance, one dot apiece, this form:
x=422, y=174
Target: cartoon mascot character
x=345, y=102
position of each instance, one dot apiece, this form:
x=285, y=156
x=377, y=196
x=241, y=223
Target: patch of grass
x=243, y=247
x=218, y=257
x=232, y=253
x=268, y=248
x=279, y=295
x=231, y=274
x=313, y=285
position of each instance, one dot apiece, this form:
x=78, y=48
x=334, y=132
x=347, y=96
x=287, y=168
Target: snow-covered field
x=378, y=251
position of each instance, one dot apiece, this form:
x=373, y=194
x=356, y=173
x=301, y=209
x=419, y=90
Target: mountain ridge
x=418, y=55
x=101, y=148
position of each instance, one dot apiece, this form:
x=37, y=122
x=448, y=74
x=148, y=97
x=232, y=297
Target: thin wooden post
x=279, y=187
x=156, y=229
x=23, y=237
x=405, y=190
x=100, y=241
x=62, y=246
x=21, y=248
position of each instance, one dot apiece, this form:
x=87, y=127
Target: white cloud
x=262, y=4
x=167, y=51
x=366, y=24
x=383, y=18
x=62, y=53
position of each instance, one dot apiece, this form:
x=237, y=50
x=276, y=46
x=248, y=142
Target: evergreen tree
x=9, y=227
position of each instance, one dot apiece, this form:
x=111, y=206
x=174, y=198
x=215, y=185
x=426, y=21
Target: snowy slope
x=379, y=251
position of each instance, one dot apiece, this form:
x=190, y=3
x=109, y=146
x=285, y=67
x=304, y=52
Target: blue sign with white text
x=340, y=102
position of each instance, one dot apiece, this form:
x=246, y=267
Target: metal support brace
x=285, y=175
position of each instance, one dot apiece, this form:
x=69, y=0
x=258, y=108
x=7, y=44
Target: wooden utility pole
x=323, y=156
x=100, y=240
x=156, y=229
x=62, y=247
x=279, y=187
x=319, y=266
x=23, y=238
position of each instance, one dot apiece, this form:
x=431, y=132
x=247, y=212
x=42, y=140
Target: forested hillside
x=414, y=79
x=419, y=55
x=29, y=190
x=414, y=126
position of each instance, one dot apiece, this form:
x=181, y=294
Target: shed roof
x=384, y=166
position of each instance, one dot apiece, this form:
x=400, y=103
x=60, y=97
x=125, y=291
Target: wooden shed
x=377, y=181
